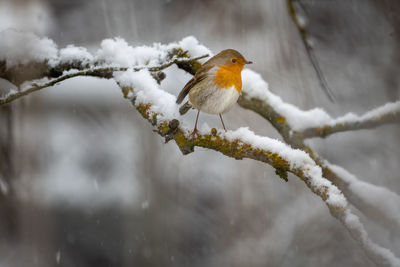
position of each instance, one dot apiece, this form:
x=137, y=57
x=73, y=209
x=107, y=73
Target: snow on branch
x=136, y=69
x=311, y=123
x=159, y=108
x=105, y=72
x=34, y=63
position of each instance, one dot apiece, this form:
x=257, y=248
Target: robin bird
x=215, y=87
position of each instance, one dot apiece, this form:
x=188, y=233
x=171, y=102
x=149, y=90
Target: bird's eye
x=233, y=60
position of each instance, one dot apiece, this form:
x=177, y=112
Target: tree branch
x=103, y=72
x=386, y=114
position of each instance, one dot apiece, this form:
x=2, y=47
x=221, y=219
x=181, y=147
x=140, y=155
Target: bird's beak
x=248, y=62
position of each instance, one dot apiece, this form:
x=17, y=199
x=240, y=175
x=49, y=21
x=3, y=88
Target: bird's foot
x=194, y=134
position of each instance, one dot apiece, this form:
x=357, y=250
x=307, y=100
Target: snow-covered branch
x=133, y=69
x=386, y=114
x=34, y=63
x=103, y=72
x=296, y=124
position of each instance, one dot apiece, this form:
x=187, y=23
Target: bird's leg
x=194, y=134
x=220, y=116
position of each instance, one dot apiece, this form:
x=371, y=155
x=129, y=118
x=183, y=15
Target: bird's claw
x=194, y=134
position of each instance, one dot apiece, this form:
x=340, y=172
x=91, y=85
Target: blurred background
x=85, y=182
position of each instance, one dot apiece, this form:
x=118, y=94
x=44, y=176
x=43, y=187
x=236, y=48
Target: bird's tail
x=185, y=108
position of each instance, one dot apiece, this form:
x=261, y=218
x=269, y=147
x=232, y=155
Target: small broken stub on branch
x=282, y=173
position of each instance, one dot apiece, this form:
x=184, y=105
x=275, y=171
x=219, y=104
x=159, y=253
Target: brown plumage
x=216, y=85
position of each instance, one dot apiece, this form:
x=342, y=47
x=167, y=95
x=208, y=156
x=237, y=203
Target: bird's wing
x=200, y=75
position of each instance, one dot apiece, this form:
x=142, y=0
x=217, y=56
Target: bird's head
x=231, y=58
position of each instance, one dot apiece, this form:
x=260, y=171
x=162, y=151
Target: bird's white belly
x=217, y=101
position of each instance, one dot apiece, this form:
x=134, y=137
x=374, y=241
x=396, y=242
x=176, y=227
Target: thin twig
x=309, y=50
x=389, y=117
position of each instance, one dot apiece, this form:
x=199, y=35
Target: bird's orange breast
x=227, y=76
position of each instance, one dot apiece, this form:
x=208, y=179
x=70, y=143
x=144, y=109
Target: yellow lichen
x=163, y=128
x=195, y=65
x=281, y=166
x=143, y=108
x=126, y=91
x=323, y=130
x=181, y=53
x=235, y=149
x=280, y=119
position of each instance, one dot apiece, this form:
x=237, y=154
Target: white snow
x=118, y=52
x=195, y=49
x=73, y=53
x=21, y=47
x=295, y=157
x=372, y=114
x=256, y=87
x=147, y=91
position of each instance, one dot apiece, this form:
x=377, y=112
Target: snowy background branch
x=386, y=114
